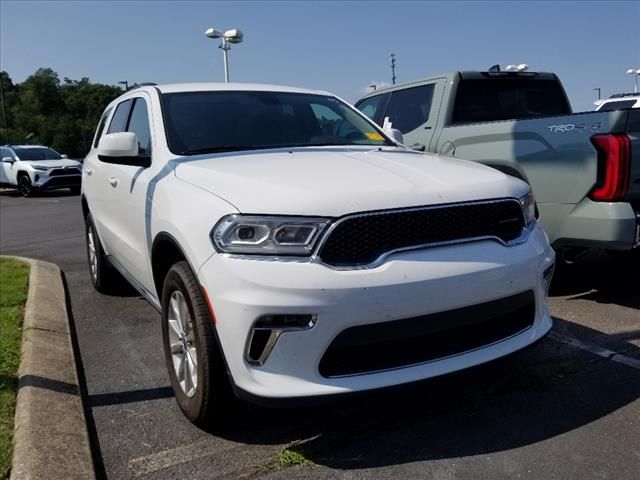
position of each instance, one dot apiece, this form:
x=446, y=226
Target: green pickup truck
x=584, y=168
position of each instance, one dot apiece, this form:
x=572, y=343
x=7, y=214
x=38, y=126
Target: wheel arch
x=165, y=251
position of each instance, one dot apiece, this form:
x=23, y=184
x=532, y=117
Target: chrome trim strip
x=135, y=284
x=273, y=337
x=435, y=359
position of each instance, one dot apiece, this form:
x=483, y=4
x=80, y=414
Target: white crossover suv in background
x=33, y=168
x=294, y=249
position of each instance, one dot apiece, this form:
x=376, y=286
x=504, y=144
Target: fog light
x=547, y=276
x=37, y=177
x=267, y=330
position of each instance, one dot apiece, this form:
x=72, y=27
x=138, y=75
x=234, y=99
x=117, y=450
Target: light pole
x=228, y=37
x=635, y=72
x=392, y=57
x=598, y=90
x=125, y=83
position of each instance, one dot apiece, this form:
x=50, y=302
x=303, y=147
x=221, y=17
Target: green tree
x=62, y=115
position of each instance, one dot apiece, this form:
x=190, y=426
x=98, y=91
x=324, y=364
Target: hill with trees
x=44, y=110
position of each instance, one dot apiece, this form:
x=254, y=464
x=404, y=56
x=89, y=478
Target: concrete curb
x=50, y=433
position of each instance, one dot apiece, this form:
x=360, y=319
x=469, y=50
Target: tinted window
x=101, y=125
x=370, y=106
x=119, y=120
x=36, y=153
x=620, y=105
x=493, y=99
x=139, y=124
x=409, y=108
x=200, y=122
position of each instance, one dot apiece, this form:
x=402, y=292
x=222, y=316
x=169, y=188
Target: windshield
x=202, y=122
x=36, y=153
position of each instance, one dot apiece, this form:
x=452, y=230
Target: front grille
x=360, y=240
x=64, y=171
x=411, y=341
x=62, y=182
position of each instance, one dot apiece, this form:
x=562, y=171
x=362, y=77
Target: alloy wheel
x=182, y=344
x=93, y=257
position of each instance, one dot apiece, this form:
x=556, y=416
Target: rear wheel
x=24, y=185
x=102, y=273
x=195, y=363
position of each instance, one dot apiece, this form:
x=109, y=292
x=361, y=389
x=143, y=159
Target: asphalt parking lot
x=569, y=407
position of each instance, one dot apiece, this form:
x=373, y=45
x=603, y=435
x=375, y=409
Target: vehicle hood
x=333, y=182
x=63, y=162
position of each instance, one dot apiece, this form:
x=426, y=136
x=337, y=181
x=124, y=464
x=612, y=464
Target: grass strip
x=14, y=279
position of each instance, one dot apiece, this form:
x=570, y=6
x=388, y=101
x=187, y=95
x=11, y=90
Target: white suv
x=34, y=168
x=295, y=250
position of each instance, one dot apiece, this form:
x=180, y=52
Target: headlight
x=252, y=234
x=528, y=204
x=40, y=167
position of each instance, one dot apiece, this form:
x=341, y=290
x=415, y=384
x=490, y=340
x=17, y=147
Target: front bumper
x=408, y=284
x=610, y=226
x=45, y=182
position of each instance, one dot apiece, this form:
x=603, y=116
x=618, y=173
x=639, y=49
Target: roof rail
x=622, y=95
x=143, y=84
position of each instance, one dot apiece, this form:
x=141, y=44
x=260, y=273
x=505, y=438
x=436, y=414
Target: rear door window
x=101, y=125
x=409, y=109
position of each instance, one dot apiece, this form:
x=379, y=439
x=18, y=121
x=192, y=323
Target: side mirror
x=122, y=149
x=8, y=160
x=395, y=134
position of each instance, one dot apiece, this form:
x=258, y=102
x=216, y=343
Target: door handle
x=89, y=171
x=113, y=181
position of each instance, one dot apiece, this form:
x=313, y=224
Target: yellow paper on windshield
x=374, y=136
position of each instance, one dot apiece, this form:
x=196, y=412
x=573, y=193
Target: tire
x=101, y=272
x=194, y=360
x=25, y=187
x=75, y=190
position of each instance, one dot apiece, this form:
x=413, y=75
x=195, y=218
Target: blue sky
x=337, y=46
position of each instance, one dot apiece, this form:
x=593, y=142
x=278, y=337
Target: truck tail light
x=614, y=154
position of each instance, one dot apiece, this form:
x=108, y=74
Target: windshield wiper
x=219, y=149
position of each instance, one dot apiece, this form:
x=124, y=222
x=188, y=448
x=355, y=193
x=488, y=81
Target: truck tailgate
x=633, y=132
x=555, y=154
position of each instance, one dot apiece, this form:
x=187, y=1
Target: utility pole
x=393, y=68
x=4, y=113
x=598, y=89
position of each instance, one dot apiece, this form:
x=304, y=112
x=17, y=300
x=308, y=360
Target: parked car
x=295, y=250
x=33, y=168
x=618, y=101
x=584, y=167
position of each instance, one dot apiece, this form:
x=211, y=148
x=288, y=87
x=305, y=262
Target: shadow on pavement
x=533, y=395
x=601, y=277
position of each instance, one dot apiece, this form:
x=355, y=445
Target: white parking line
x=175, y=456
x=596, y=350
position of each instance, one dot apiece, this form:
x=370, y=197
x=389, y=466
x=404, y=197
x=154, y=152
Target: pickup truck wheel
x=25, y=187
x=101, y=272
x=196, y=367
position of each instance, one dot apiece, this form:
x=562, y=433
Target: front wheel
x=25, y=187
x=195, y=363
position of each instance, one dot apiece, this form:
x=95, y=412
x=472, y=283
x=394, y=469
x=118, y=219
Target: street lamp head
x=213, y=33
x=633, y=71
x=234, y=36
